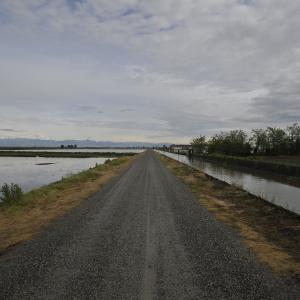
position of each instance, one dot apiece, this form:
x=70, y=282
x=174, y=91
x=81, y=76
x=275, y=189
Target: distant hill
x=22, y=142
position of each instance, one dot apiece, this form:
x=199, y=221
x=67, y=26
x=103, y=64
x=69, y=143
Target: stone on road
x=143, y=236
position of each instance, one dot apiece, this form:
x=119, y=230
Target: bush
x=10, y=194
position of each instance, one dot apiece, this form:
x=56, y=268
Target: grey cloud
x=127, y=110
x=281, y=104
x=120, y=125
x=87, y=108
x=247, y=2
x=185, y=124
x=10, y=130
x=203, y=66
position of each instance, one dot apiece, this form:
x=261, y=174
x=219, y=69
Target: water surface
x=274, y=191
x=102, y=150
x=34, y=172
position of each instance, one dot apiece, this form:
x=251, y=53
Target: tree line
x=68, y=146
x=267, y=141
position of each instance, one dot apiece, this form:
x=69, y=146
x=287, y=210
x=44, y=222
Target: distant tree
x=199, y=145
x=217, y=143
x=277, y=141
x=234, y=142
x=259, y=141
x=62, y=146
x=293, y=133
x=269, y=141
x=237, y=143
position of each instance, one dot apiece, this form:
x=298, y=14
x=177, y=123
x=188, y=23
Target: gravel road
x=143, y=236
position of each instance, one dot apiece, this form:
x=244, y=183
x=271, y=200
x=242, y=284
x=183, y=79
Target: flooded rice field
x=79, y=150
x=34, y=172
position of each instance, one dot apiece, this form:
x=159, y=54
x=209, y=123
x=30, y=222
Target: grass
x=286, y=160
x=281, y=165
x=62, y=154
x=289, y=160
x=270, y=232
x=20, y=221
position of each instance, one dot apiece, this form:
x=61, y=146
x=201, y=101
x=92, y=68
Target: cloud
x=281, y=104
x=87, y=108
x=127, y=110
x=10, y=130
x=181, y=68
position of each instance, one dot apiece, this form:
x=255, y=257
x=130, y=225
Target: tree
x=269, y=141
x=293, y=133
x=277, y=139
x=236, y=143
x=259, y=141
x=199, y=145
x=233, y=142
x=216, y=143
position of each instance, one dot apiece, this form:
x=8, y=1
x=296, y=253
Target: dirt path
x=143, y=236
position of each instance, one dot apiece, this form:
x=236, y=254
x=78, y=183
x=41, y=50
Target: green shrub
x=108, y=161
x=10, y=193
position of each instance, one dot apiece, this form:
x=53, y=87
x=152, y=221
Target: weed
x=10, y=193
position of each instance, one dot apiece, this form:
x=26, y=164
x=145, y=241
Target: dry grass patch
x=272, y=233
x=21, y=221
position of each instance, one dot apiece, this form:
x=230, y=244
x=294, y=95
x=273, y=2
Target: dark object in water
x=43, y=164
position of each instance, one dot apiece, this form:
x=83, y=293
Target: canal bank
x=272, y=233
x=269, y=187
x=272, y=164
x=142, y=236
x=21, y=220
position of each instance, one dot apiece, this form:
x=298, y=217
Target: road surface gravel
x=142, y=236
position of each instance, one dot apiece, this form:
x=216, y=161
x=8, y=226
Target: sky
x=150, y=71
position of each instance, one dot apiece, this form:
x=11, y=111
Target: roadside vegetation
x=24, y=215
x=10, y=194
x=270, y=232
x=11, y=153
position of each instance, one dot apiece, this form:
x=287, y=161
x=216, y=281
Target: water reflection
x=88, y=150
x=34, y=172
x=269, y=189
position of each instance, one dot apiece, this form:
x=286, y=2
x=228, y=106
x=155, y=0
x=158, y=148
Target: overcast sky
x=156, y=71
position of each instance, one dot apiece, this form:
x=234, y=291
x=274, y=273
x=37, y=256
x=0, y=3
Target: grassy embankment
x=288, y=160
x=272, y=233
x=19, y=222
x=283, y=165
x=62, y=154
